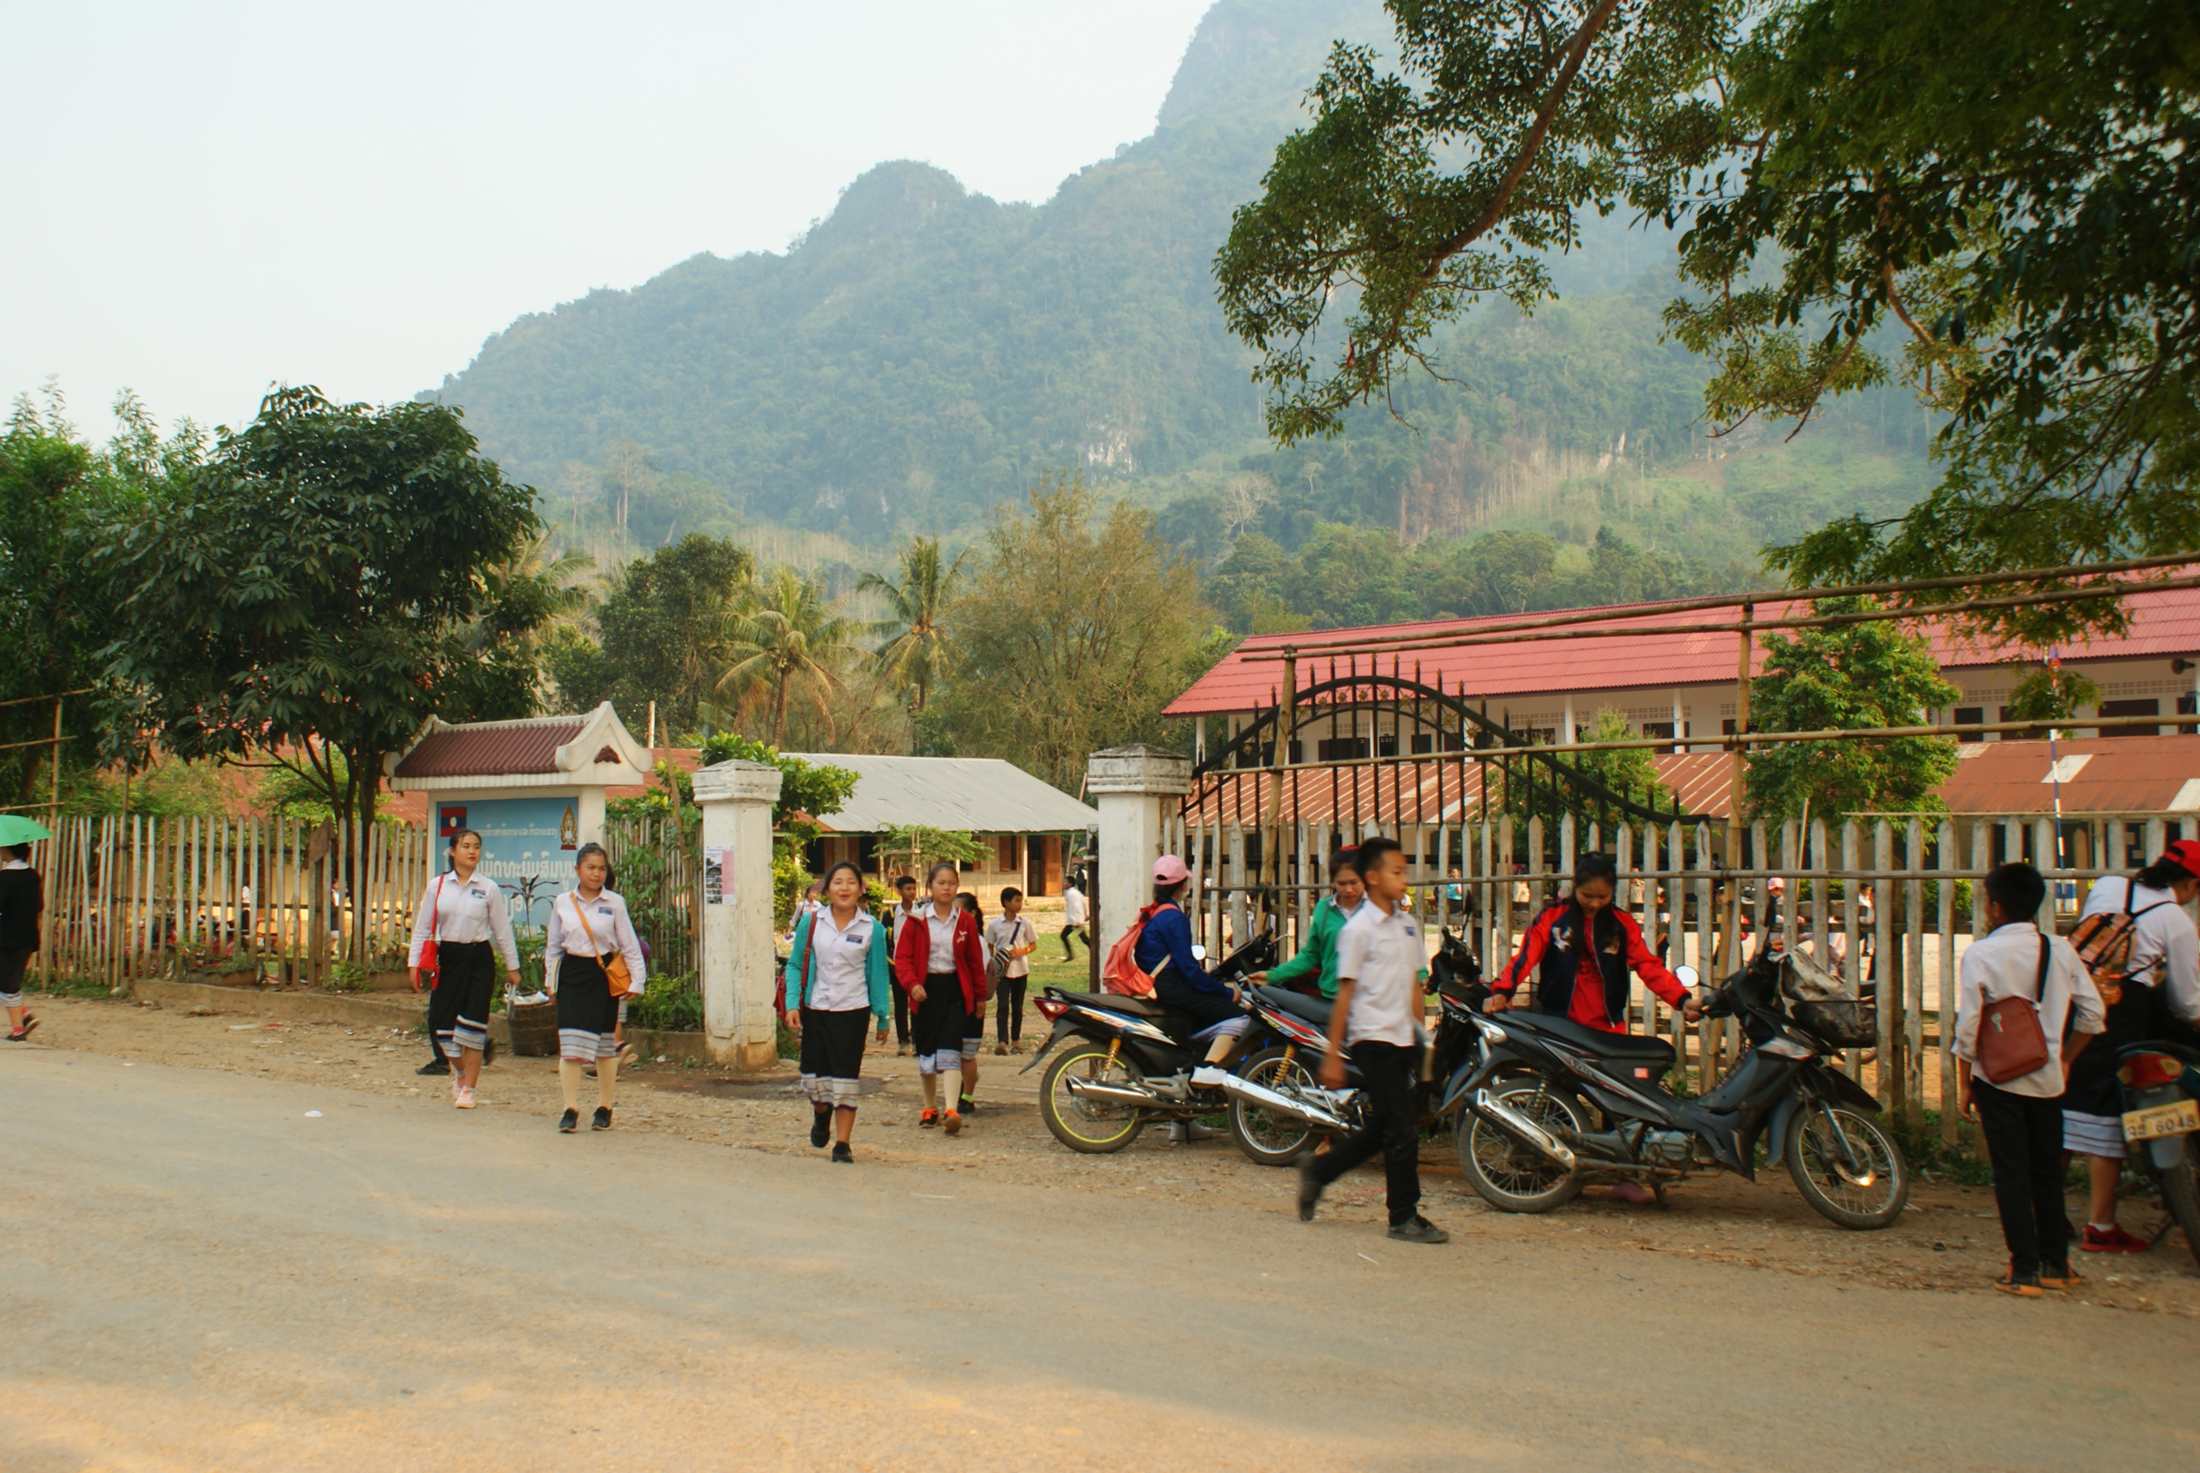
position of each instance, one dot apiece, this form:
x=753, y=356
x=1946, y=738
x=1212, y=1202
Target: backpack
x=2103, y=943
x=1120, y=973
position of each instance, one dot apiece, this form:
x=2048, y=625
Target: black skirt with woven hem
x=587, y=1012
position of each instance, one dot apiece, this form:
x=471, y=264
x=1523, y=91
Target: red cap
x=2185, y=854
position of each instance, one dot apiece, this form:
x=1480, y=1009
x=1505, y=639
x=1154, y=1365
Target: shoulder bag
x=615, y=968
x=430, y=952
x=2011, y=1043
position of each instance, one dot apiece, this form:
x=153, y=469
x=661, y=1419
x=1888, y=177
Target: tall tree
x=790, y=640
x=2012, y=187
x=662, y=630
x=1847, y=678
x=1076, y=628
x=917, y=650
x=309, y=593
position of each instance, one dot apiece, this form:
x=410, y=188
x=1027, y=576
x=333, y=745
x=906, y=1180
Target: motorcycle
x=1125, y=1062
x=1550, y=1105
x=1291, y=1066
x=2161, y=1099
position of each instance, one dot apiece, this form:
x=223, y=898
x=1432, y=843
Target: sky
x=206, y=198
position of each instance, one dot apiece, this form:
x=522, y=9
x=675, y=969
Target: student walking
x=589, y=929
x=2160, y=987
x=461, y=912
x=2022, y=1116
x=22, y=901
x=904, y=911
x=1377, y=1017
x=941, y=966
x=837, y=981
x=1073, y=918
x=1009, y=943
x=1314, y=968
x=973, y=1040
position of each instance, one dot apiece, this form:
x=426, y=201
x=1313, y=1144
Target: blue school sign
x=527, y=845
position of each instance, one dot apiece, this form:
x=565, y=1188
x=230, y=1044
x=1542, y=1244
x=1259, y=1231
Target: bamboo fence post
x=1945, y=913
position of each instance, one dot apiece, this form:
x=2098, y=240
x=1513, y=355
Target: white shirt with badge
x=1003, y=936
x=839, y=979
x=939, y=957
x=464, y=911
x=1381, y=955
x=607, y=928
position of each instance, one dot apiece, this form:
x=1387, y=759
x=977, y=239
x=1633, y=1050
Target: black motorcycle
x=1278, y=1107
x=2160, y=1083
x=1551, y=1105
x=1125, y=1062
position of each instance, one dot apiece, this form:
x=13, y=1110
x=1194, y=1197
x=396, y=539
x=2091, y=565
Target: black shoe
x=439, y=1066
x=842, y=1156
x=1310, y=1189
x=821, y=1129
x=966, y=1106
x=1418, y=1229
x=601, y=1120
x=570, y=1121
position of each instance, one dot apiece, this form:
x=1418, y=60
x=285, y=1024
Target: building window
x=1969, y=716
x=2130, y=708
x=1004, y=849
x=1340, y=749
x=1386, y=745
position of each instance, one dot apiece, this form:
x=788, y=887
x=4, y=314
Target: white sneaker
x=1209, y=1076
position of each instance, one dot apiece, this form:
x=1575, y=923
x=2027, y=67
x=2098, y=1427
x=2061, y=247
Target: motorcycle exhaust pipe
x=1306, y=1112
x=1102, y=1092
x=1522, y=1129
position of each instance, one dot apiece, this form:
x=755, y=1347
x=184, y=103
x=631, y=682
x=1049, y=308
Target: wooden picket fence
x=658, y=867
x=1906, y=939
x=132, y=895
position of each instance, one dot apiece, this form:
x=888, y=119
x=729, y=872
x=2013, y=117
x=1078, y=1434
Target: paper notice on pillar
x=717, y=875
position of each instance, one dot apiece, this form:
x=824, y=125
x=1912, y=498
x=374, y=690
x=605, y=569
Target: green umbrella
x=16, y=829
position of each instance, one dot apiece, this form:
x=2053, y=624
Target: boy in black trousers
x=2022, y=1117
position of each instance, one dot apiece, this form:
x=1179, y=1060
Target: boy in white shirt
x=1073, y=918
x=1377, y=1015
x=2022, y=1117
x=899, y=916
x=1011, y=938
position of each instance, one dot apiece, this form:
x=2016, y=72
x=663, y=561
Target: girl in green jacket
x=836, y=974
x=1315, y=966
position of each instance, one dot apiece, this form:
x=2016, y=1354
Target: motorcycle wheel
x=2181, y=1194
x=1266, y=1138
x=1871, y=1199
x=1508, y=1175
x=1093, y=1129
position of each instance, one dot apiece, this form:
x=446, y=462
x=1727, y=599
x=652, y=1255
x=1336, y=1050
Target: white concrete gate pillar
x=738, y=957
x=1136, y=789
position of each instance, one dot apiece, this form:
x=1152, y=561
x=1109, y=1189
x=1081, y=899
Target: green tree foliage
x=2008, y=190
x=788, y=642
x=2050, y=694
x=309, y=592
x=814, y=789
x=663, y=629
x=1631, y=774
x=913, y=848
x=1075, y=628
x=917, y=650
x=1847, y=677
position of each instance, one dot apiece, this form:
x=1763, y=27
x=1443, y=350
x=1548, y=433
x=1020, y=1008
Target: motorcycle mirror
x=1199, y=953
x=1688, y=976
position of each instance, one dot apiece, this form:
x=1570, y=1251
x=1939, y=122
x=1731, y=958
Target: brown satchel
x=2011, y=1043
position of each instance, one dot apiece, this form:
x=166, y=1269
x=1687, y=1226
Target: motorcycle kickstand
x=1657, y=1190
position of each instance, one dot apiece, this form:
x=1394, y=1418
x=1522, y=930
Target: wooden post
x=1730, y=950
x=1287, y=723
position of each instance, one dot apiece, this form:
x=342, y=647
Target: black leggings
x=901, y=1016
x=1008, y=1010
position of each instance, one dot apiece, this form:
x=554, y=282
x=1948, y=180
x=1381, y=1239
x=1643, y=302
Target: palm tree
x=790, y=636
x=916, y=652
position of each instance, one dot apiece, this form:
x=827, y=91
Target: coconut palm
x=916, y=652
x=788, y=638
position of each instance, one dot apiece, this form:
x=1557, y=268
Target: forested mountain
x=925, y=353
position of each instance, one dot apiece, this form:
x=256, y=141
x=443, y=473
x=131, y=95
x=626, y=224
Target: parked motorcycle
x=1551, y=1105
x=1120, y=1063
x=1290, y=1067
x=2161, y=1099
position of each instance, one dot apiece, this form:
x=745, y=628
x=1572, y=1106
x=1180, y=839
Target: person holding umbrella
x=22, y=900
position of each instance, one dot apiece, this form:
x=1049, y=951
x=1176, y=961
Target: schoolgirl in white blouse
x=464, y=911
x=588, y=924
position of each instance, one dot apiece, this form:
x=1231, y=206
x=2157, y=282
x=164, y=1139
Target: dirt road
x=203, y=1274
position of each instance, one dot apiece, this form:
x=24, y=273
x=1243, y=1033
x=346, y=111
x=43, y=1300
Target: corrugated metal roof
x=1424, y=792
x=983, y=795
x=2100, y=775
x=491, y=748
x=2161, y=623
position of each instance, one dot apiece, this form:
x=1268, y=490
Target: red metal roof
x=2099, y=775
x=491, y=748
x=2161, y=623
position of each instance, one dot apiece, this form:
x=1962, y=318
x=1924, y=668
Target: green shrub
x=670, y=1002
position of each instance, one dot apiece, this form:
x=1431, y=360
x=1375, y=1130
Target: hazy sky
x=204, y=196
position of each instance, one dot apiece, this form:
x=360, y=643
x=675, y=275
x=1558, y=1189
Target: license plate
x=2157, y=1121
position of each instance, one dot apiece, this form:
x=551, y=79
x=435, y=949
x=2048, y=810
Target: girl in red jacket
x=941, y=965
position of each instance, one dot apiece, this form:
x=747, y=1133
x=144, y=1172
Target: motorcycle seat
x=1633, y=1047
x=1314, y=1010
x=1118, y=1002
